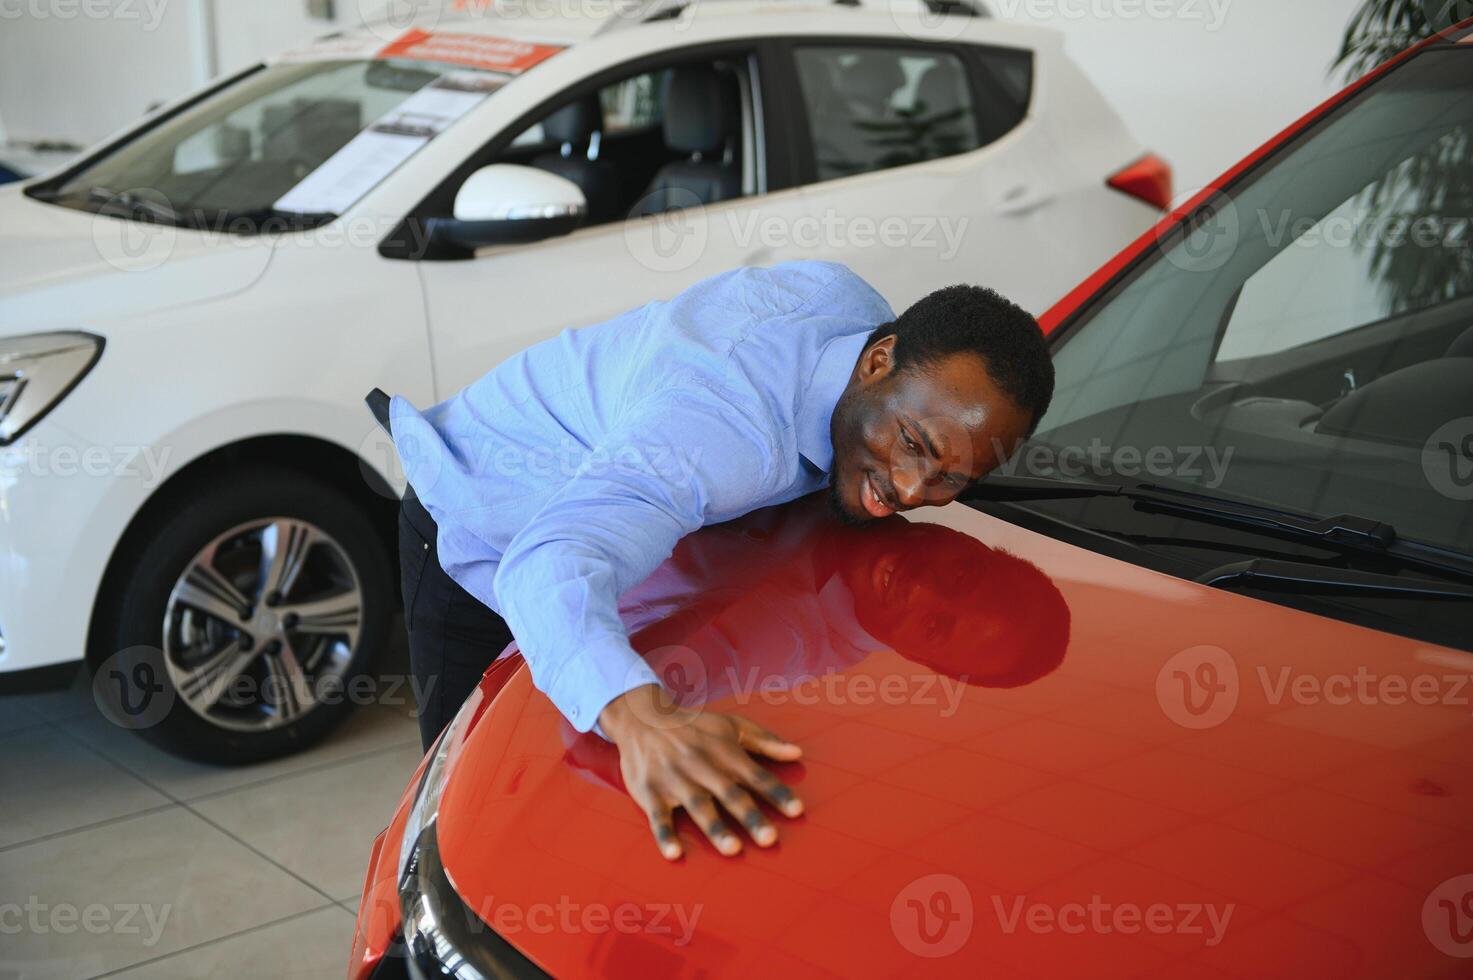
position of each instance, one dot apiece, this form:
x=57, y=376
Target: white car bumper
x=63, y=504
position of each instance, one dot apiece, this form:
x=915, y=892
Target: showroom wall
x=1193, y=106
x=58, y=64
x=57, y=80
x=1206, y=81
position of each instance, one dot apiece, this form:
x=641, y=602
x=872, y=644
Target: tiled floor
x=119, y=860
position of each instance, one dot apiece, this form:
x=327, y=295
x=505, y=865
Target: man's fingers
x=755, y=776
x=755, y=738
x=662, y=822
x=702, y=769
x=702, y=809
x=739, y=804
x=725, y=774
x=662, y=825
x=775, y=791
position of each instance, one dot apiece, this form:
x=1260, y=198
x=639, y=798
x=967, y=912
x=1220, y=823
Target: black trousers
x=453, y=637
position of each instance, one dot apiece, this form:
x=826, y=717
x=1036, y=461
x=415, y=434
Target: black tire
x=131, y=678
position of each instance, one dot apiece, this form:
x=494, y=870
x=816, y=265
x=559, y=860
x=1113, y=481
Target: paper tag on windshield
x=350, y=173
x=501, y=54
x=429, y=111
x=372, y=155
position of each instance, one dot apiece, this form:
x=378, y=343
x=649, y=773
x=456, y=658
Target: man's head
x=936, y=399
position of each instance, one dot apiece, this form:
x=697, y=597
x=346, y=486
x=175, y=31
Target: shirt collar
x=816, y=404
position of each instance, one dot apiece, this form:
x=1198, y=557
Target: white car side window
x=627, y=157
x=872, y=108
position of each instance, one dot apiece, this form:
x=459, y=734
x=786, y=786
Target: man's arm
x=683, y=455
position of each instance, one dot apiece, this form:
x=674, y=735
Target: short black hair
x=977, y=320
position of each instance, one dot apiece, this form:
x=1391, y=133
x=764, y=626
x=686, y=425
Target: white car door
x=508, y=297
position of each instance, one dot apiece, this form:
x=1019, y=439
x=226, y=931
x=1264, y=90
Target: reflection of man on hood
x=789, y=593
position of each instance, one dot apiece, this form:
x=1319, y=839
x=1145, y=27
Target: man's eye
x=909, y=442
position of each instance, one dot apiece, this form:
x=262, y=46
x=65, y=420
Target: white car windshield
x=292, y=143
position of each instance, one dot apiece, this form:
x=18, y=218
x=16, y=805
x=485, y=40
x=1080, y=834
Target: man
x=562, y=478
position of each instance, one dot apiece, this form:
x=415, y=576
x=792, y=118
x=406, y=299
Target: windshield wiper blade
x=285, y=220
x=127, y=204
x=1345, y=531
x=1268, y=573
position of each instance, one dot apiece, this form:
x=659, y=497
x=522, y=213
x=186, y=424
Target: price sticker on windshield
x=501, y=54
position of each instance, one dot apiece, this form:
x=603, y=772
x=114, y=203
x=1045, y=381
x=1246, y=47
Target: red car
x=1182, y=690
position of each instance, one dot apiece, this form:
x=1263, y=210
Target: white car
x=194, y=500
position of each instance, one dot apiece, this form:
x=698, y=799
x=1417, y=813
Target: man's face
x=917, y=437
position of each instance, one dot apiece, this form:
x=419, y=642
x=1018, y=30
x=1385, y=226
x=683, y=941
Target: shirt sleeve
x=680, y=459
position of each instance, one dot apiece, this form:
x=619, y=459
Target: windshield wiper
x=1267, y=573
x=1343, y=531
x=127, y=204
x=1346, y=529
x=261, y=217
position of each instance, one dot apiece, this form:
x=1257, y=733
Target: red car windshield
x=1307, y=343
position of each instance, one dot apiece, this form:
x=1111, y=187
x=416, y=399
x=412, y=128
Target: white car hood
x=65, y=268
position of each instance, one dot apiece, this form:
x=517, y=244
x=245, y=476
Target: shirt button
x=426, y=546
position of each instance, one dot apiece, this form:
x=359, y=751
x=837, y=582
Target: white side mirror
x=509, y=192
x=507, y=204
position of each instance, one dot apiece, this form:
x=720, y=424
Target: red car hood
x=1020, y=759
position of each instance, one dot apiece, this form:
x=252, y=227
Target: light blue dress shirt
x=565, y=476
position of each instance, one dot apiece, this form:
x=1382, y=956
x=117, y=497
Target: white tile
x=142, y=887
x=52, y=783
x=317, y=944
x=321, y=824
x=366, y=730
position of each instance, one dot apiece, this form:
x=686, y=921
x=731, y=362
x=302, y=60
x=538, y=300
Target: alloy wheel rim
x=261, y=626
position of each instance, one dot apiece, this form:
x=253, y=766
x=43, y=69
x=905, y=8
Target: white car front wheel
x=247, y=616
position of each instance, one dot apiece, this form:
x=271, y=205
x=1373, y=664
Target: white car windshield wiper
x=258, y=220
x=1349, y=532
x=127, y=204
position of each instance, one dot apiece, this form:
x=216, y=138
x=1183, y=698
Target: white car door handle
x=1021, y=197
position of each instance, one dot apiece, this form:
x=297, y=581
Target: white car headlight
x=36, y=372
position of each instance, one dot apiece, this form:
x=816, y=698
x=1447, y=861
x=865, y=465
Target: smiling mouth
x=870, y=499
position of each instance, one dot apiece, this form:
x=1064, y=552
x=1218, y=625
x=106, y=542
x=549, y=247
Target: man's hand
x=674, y=757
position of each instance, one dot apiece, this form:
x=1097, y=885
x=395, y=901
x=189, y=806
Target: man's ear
x=878, y=360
